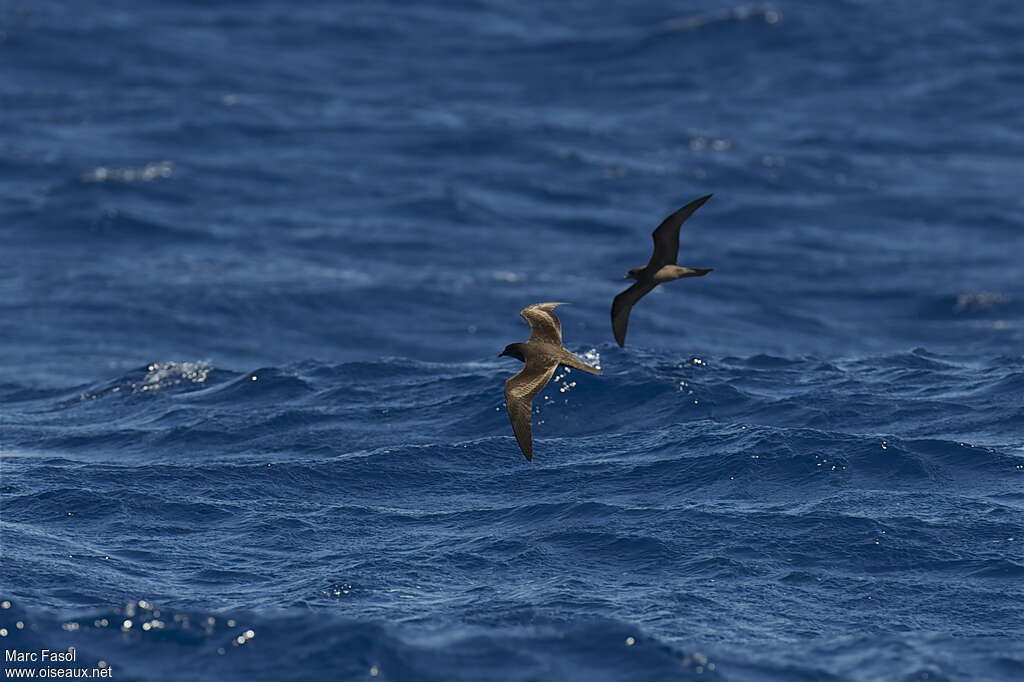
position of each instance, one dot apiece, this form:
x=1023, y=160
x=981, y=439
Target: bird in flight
x=542, y=354
x=661, y=268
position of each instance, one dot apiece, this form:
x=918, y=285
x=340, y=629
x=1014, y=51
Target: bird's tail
x=570, y=360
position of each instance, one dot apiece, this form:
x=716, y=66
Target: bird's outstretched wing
x=519, y=392
x=666, y=235
x=544, y=324
x=621, y=306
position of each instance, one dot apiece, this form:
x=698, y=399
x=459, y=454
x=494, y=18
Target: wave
x=777, y=408
x=142, y=640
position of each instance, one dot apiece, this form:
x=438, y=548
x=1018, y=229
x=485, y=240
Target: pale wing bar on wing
x=519, y=393
x=544, y=324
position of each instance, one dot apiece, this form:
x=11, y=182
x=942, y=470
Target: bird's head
x=513, y=350
x=634, y=273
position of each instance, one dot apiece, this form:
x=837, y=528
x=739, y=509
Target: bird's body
x=660, y=269
x=667, y=273
x=541, y=355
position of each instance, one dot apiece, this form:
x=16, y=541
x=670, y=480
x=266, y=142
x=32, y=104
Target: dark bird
x=661, y=268
x=542, y=353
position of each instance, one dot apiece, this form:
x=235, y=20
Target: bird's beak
x=626, y=276
x=501, y=353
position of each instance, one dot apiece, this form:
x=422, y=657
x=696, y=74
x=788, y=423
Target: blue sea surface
x=259, y=259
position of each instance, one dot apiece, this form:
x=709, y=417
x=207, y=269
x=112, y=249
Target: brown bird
x=542, y=353
x=661, y=268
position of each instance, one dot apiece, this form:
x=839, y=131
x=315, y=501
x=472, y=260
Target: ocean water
x=259, y=259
